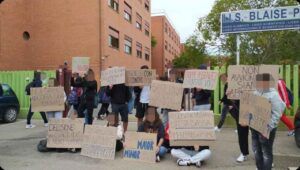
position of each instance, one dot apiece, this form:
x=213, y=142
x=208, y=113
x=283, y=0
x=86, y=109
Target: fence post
x=296, y=87
x=217, y=94
x=288, y=81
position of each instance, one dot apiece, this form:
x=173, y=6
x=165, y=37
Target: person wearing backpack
x=287, y=96
x=36, y=82
x=88, y=98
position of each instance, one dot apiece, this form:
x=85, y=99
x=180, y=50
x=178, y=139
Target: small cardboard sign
x=166, y=95
x=65, y=133
x=46, y=99
x=140, y=147
x=140, y=77
x=80, y=65
x=99, y=142
x=243, y=78
x=113, y=76
x=255, y=111
x=189, y=128
x=205, y=79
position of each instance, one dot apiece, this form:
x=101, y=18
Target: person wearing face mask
x=153, y=124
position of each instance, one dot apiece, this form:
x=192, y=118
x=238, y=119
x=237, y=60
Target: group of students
x=149, y=121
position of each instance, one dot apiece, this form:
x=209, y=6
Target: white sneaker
x=198, y=164
x=241, y=158
x=182, y=162
x=291, y=133
x=30, y=126
x=217, y=129
x=46, y=124
x=235, y=131
x=157, y=158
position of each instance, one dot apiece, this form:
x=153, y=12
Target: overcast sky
x=184, y=14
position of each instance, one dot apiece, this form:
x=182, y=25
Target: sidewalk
x=18, y=152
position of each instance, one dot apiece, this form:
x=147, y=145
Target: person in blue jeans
x=153, y=124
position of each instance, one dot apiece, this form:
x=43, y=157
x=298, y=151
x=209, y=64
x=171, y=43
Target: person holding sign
x=36, y=82
x=201, y=97
x=143, y=100
x=120, y=96
x=89, y=85
x=153, y=124
x=263, y=145
x=113, y=121
x=55, y=114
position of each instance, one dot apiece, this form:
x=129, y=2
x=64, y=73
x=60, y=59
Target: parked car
x=9, y=104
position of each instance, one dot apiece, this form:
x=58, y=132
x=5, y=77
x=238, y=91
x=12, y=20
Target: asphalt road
x=18, y=152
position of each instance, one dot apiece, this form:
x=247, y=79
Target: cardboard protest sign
x=205, y=79
x=80, y=65
x=255, y=111
x=140, y=77
x=140, y=147
x=99, y=142
x=65, y=133
x=113, y=76
x=189, y=128
x=243, y=78
x=47, y=99
x=166, y=95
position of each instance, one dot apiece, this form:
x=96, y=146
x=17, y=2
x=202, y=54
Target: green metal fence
x=17, y=80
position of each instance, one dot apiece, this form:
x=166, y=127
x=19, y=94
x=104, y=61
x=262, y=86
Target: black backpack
x=27, y=88
x=42, y=146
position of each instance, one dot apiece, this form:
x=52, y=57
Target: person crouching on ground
x=113, y=121
x=153, y=124
x=263, y=147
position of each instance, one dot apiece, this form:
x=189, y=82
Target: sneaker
x=217, y=129
x=181, y=162
x=30, y=126
x=46, y=124
x=291, y=133
x=235, y=131
x=273, y=165
x=102, y=117
x=157, y=158
x=198, y=164
x=241, y=158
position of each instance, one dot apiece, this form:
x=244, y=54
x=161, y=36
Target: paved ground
x=18, y=152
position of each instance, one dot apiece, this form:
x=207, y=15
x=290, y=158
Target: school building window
x=114, y=4
x=128, y=45
x=147, y=28
x=166, y=45
x=147, y=5
x=113, y=38
x=127, y=12
x=139, y=21
x=147, y=54
x=139, y=49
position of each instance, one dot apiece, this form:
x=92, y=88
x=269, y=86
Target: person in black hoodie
x=120, y=96
x=36, y=82
x=89, y=85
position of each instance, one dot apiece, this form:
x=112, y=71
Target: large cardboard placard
x=65, y=133
x=140, y=77
x=80, y=65
x=255, y=111
x=166, y=95
x=99, y=142
x=47, y=99
x=205, y=79
x=140, y=147
x=243, y=78
x=113, y=76
x=189, y=128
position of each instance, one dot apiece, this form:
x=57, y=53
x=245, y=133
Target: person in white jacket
x=113, y=121
x=263, y=147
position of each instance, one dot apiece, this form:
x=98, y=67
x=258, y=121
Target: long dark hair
x=152, y=127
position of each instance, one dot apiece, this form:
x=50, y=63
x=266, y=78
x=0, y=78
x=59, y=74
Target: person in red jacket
x=285, y=98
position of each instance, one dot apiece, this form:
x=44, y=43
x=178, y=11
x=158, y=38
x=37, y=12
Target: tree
x=153, y=41
x=194, y=54
x=271, y=47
